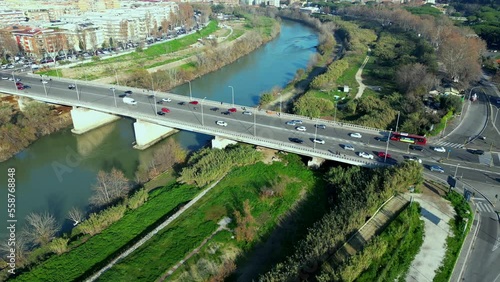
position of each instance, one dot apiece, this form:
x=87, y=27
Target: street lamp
x=456, y=170
x=114, y=96
x=190, y=90
x=201, y=104
x=232, y=93
x=387, y=145
x=315, y=133
x=496, y=115
x=116, y=77
x=397, y=122
x=44, y=89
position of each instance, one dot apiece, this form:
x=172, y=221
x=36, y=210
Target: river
x=56, y=173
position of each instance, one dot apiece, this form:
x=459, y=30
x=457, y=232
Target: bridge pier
x=147, y=134
x=221, y=143
x=85, y=120
x=315, y=162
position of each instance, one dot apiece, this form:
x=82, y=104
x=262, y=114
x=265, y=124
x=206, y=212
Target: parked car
x=348, y=147
x=221, y=123
x=232, y=110
x=355, y=135
x=319, y=141
x=436, y=168
x=5, y=77
x=383, y=155
x=416, y=147
x=296, y=140
x=439, y=149
x=366, y=155
x=300, y=128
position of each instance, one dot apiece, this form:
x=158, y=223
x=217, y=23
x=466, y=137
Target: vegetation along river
x=56, y=173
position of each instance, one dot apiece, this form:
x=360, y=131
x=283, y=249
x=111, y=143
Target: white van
x=130, y=101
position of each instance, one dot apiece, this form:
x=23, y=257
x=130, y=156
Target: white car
x=348, y=147
x=45, y=81
x=366, y=155
x=355, y=135
x=248, y=113
x=290, y=122
x=5, y=78
x=168, y=100
x=221, y=123
x=301, y=128
x=319, y=141
x=414, y=159
x=439, y=149
x=296, y=121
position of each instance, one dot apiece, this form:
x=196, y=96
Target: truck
x=130, y=101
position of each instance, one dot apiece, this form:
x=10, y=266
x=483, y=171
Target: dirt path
x=359, y=79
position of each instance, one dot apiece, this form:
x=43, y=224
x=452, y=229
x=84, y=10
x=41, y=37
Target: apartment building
x=37, y=42
x=10, y=17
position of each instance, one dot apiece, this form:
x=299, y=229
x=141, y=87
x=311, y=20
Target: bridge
x=97, y=104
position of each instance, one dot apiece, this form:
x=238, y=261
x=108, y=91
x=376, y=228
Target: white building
x=10, y=17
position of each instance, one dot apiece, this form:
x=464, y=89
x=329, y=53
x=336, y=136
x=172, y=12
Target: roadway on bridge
x=263, y=125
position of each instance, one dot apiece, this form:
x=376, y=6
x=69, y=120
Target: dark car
x=26, y=87
x=226, y=113
x=416, y=147
x=160, y=113
x=182, y=103
x=214, y=109
x=320, y=126
x=159, y=102
x=382, y=139
x=296, y=140
x=128, y=92
x=476, y=152
x=122, y=95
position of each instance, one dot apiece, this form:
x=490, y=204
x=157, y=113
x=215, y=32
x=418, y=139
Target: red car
x=19, y=83
x=165, y=110
x=382, y=155
x=193, y=102
x=20, y=87
x=232, y=110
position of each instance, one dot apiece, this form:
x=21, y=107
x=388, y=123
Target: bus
x=408, y=138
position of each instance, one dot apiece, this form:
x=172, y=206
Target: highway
x=260, y=124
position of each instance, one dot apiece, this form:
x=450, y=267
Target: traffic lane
x=472, y=122
x=482, y=264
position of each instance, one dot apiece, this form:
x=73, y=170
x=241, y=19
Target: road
x=269, y=126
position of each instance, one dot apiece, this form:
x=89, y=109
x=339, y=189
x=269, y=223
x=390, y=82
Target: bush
x=99, y=221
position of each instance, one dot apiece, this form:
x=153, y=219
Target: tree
x=110, y=187
x=8, y=44
x=413, y=76
x=165, y=157
x=246, y=225
x=76, y=215
x=41, y=228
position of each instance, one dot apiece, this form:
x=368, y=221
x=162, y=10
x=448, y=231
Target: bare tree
x=41, y=228
x=21, y=248
x=413, y=76
x=8, y=44
x=166, y=157
x=76, y=215
x=110, y=187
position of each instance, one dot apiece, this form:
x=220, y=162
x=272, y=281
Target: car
x=498, y=101
x=112, y=88
x=19, y=83
x=221, y=123
x=382, y=139
x=26, y=87
x=182, y=103
x=383, y=155
x=194, y=102
x=5, y=78
x=296, y=140
x=72, y=86
x=355, y=135
x=436, y=168
x=20, y=87
x=348, y=147
x=18, y=79
x=168, y=100
x=300, y=128
x=160, y=113
x=320, y=126
x=366, y=155
x=476, y=151
x=319, y=141
x=128, y=92
x=414, y=159
x=439, y=149
x=160, y=102
x=297, y=121
x=214, y=109
x=122, y=95
x=290, y=123
x=232, y=110
x=248, y=113
x=45, y=81
x=226, y=113
x=11, y=79
x=416, y=147
x=165, y=110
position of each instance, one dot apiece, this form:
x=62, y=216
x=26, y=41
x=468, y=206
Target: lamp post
x=44, y=89
x=190, y=90
x=77, y=94
x=496, y=115
x=114, y=96
x=154, y=95
x=315, y=133
x=116, y=77
x=456, y=170
x=14, y=79
x=201, y=104
x=335, y=115
x=232, y=94
x=387, y=145
x=397, y=122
